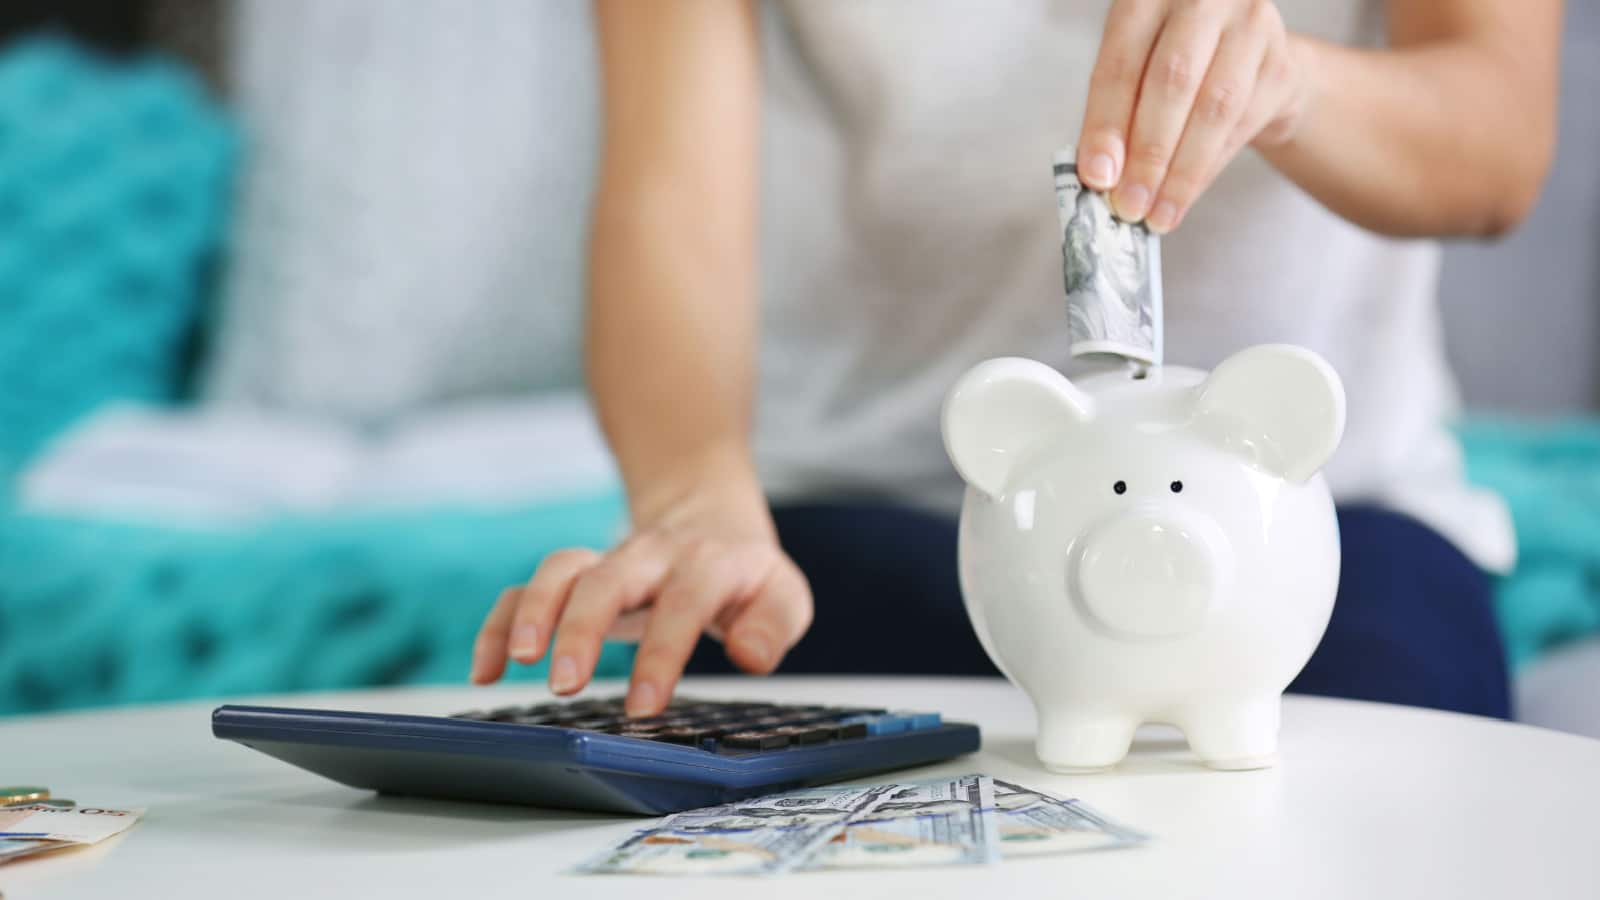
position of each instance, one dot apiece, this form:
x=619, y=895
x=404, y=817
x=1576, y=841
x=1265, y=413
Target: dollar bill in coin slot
x=1111, y=270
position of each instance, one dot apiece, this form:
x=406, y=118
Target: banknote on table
x=1112, y=273
x=16, y=848
x=946, y=821
x=761, y=836
x=1033, y=823
x=76, y=824
x=34, y=828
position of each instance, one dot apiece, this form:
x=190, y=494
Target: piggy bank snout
x=1151, y=575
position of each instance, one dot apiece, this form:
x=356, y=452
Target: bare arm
x=670, y=349
x=1447, y=131
x=1451, y=131
x=671, y=326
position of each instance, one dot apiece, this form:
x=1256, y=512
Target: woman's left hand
x=1179, y=88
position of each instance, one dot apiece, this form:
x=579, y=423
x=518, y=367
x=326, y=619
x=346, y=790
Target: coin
x=10, y=795
x=56, y=802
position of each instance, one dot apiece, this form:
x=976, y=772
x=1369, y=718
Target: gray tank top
x=909, y=231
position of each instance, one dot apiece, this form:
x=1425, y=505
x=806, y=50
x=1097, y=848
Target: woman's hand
x=1179, y=88
x=705, y=559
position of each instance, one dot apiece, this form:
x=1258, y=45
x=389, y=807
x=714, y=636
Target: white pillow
x=411, y=217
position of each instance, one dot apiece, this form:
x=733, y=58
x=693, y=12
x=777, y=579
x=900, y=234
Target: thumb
x=774, y=620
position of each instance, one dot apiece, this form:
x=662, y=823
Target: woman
x=1290, y=151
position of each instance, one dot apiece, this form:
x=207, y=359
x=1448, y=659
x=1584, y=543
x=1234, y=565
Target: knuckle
x=1175, y=73
x=599, y=583
x=1150, y=154
x=703, y=553
x=1221, y=102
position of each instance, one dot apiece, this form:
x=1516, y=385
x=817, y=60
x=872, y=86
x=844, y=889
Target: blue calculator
x=586, y=754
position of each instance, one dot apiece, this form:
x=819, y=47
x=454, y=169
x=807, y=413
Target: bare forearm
x=670, y=339
x=672, y=305
x=1444, y=137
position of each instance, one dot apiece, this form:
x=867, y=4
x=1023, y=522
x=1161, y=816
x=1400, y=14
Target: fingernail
x=754, y=649
x=1164, y=218
x=525, y=642
x=1132, y=202
x=563, y=675
x=1101, y=169
x=642, y=699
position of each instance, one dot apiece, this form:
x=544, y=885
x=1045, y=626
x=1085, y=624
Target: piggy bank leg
x=1080, y=742
x=1234, y=734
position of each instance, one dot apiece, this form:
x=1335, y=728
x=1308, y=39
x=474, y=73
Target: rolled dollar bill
x=1111, y=270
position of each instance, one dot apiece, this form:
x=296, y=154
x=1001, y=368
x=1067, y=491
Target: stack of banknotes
x=961, y=820
x=33, y=822
x=1112, y=273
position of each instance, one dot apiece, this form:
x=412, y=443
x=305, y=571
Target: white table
x=1368, y=801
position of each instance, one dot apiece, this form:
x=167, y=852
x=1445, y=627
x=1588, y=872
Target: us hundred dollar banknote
x=1033, y=823
x=940, y=822
x=1112, y=273
x=761, y=836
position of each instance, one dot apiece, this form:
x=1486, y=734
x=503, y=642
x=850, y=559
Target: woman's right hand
x=703, y=557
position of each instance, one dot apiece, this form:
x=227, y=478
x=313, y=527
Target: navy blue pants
x=1413, y=623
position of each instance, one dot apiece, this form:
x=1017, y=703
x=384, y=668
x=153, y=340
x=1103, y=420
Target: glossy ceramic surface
x=1149, y=549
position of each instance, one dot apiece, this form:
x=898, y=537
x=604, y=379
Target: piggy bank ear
x=999, y=409
x=1279, y=405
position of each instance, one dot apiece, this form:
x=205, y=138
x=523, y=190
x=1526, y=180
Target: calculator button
x=756, y=740
x=880, y=725
x=477, y=715
x=919, y=721
x=851, y=730
x=806, y=734
x=681, y=735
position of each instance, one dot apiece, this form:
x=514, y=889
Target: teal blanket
x=1549, y=474
x=95, y=613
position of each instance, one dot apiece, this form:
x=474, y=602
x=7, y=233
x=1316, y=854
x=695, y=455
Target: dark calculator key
x=850, y=730
x=690, y=736
x=756, y=740
x=477, y=715
x=840, y=712
x=804, y=734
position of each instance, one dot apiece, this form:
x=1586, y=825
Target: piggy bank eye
x=1177, y=487
x=1120, y=487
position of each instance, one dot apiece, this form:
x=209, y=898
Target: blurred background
x=290, y=296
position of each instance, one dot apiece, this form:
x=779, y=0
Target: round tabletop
x=1367, y=801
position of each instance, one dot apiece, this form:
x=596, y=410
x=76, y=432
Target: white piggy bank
x=1155, y=549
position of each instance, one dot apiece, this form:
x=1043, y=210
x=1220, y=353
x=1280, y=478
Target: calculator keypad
x=717, y=725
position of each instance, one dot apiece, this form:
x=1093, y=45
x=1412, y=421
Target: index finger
x=1130, y=31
